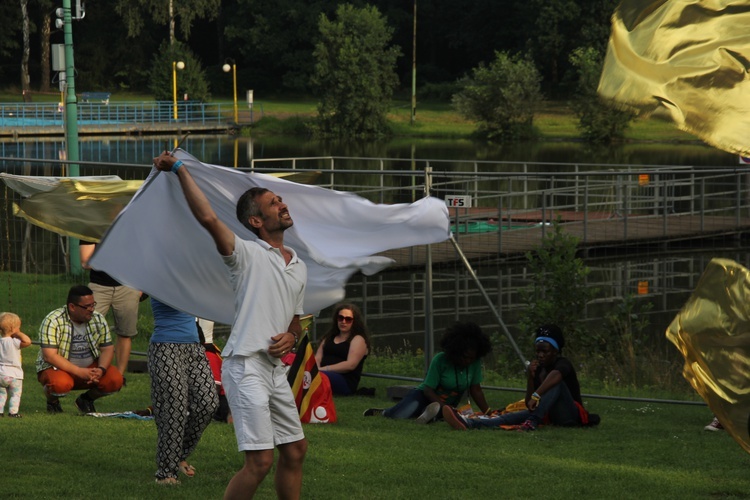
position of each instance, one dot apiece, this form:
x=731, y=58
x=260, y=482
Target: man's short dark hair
x=76, y=292
x=247, y=206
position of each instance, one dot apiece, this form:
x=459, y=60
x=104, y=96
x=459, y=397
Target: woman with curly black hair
x=452, y=372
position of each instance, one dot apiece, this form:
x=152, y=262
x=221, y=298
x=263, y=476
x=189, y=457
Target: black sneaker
x=85, y=405
x=373, y=412
x=54, y=406
x=14, y=415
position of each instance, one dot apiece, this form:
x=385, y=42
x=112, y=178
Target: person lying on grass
x=553, y=393
x=451, y=373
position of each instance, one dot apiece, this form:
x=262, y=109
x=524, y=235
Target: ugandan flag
x=311, y=388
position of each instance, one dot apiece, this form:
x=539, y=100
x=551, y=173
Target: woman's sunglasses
x=345, y=319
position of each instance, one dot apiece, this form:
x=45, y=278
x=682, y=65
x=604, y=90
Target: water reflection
x=241, y=151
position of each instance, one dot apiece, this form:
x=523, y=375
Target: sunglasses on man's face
x=345, y=319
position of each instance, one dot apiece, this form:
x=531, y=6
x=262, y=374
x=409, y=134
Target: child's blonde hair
x=8, y=320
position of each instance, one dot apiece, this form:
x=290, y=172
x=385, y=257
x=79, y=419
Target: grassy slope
x=640, y=450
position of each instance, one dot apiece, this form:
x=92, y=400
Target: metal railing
x=24, y=115
x=504, y=194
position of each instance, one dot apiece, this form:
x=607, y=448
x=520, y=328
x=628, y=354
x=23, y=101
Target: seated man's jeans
x=557, y=403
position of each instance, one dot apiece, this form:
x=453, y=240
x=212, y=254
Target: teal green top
x=448, y=381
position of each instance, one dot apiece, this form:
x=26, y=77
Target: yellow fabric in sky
x=687, y=60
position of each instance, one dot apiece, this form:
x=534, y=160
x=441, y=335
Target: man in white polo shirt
x=268, y=282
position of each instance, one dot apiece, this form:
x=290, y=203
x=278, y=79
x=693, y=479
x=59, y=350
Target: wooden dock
x=609, y=232
x=125, y=129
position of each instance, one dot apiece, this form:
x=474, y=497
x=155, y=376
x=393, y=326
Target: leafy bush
x=598, y=120
x=558, y=292
x=501, y=97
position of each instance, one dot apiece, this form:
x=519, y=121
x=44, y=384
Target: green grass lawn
x=640, y=450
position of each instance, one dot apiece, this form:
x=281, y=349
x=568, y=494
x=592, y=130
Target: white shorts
x=261, y=402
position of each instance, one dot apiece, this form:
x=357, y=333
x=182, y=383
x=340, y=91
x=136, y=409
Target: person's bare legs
x=248, y=478
x=288, y=478
x=122, y=352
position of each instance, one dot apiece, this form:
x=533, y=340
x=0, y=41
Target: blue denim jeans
x=558, y=403
x=339, y=386
x=411, y=406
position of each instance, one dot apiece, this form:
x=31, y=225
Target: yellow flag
x=712, y=331
x=688, y=60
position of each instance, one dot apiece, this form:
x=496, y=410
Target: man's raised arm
x=198, y=203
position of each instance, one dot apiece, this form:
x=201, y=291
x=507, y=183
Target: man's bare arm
x=199, y=205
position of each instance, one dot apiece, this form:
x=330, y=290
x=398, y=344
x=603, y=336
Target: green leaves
x=599, y=121
x=558, y=292
x=191, y=80
x=354, y=73
x=501, y=97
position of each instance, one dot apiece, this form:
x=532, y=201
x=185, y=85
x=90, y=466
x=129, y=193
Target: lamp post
x=175, y=66
x=414, y=68
x=226, y=69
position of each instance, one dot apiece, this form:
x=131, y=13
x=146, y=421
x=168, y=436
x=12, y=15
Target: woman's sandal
x=168, y=481
x=186, y=469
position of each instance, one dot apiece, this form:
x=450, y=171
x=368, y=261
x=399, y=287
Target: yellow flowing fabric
x=686, y=59
x=712, y=331
x=81, y=209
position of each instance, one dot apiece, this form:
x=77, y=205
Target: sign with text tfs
x=458, y=201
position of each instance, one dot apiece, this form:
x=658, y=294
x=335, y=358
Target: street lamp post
x=175, y=66
x=414, y=67
x=226, y=69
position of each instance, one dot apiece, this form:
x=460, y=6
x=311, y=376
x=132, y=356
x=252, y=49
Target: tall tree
x=554, y=36
x=134, y=14
x=45, y=30
x=26, y=30
x=276, y=39
x=355, y=72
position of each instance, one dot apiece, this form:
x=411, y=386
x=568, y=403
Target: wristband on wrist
x=536, y=397
x=296, y=340
x=103, y=369
x=176, y=166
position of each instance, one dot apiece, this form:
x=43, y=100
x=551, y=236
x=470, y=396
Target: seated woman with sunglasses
x=344, y=348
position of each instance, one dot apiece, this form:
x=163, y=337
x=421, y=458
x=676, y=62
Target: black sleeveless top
x=336, y=353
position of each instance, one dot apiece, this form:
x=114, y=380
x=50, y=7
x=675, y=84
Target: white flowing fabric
x=156, y=245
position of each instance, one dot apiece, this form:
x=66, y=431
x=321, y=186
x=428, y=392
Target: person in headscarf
x=553, y=394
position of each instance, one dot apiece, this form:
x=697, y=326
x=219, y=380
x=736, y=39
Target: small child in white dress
x=12, y=340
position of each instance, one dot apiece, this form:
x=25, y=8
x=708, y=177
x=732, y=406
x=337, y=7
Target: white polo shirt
x=267, y=295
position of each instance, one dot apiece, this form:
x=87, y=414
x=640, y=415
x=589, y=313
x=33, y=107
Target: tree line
x=496, y=60
x=272, y=41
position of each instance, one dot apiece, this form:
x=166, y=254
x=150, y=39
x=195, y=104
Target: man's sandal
x=168, y=481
